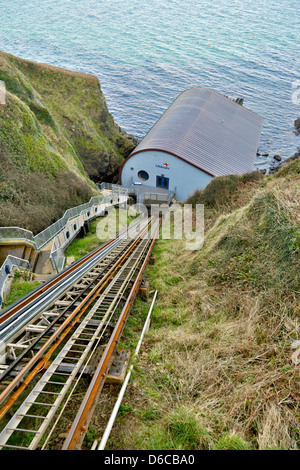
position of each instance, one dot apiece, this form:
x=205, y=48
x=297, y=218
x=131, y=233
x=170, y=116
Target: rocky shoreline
x=278, y=158
x=284, y=162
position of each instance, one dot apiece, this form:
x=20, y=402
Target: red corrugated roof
x=207, y=130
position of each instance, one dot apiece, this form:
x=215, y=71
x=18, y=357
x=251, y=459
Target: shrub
x=220, y=190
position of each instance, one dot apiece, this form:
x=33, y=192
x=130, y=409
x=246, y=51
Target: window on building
x=143, y=175
x=162, y=182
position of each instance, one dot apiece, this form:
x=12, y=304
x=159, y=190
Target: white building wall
x=182, y=176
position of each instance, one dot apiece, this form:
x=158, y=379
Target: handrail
x=6, y=269
x=57, y=256
x=42, y=238
x=13, y=233
x=72, y=220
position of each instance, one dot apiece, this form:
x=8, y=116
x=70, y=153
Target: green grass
x=124, y=409
x=222, y=191
x=180, y=431
x=82, y=246
x=21, y=286
x=55, y=126
x=232, y=442
x=215, y=370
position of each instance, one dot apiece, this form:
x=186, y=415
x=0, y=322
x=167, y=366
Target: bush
x=33, y=201
x=220, y=190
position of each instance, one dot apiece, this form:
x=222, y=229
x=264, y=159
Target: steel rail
x=44, y=301
x=16, y=307
x=106, y=318
x=61, y=314
x=79, y=426
x=38, y=338
x=24, y=316
x=41, y=365
x=82, y=307
x=114, y=413
x=7, y=313
x=94, y=333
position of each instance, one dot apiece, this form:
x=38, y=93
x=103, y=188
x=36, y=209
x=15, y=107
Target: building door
x=162, y=182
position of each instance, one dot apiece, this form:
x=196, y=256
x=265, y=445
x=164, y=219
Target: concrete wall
x=182, y=176
x=21, y=250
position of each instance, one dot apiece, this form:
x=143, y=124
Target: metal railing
x=141, y=197
x=103, y=186
x=57, y=257
x=171, y=196
x=62, y=232
x=16, y=233
x=50, y=232
x=113, y=187
x=73, y=226
x=6, y=269
x=152, y=197
x=44, y=237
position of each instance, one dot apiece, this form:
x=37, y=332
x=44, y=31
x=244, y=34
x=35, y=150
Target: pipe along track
x=60, y=343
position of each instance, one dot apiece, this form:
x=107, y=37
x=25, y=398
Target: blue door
x=162, y=182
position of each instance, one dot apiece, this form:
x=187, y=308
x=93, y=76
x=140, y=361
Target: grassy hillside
x=217, y=367
x=56, y=135
x=215, y=370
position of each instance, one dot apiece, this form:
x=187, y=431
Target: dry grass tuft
x=218, y=353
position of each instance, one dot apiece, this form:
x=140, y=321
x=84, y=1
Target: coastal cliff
x=57, y=138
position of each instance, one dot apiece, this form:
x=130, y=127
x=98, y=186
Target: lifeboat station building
x=201, y=135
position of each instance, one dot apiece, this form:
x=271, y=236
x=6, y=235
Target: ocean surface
x=147, y=52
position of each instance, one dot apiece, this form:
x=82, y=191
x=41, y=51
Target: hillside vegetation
x=56, y=137
x=217, y=369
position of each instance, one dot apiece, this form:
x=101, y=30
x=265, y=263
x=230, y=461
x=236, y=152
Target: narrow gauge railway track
x=95, y=313
x=66, y=278
x=72, y=283
x=41, y=315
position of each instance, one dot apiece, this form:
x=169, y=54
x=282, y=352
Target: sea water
x=147, y=52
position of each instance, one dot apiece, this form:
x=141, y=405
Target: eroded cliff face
x=57, y=137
